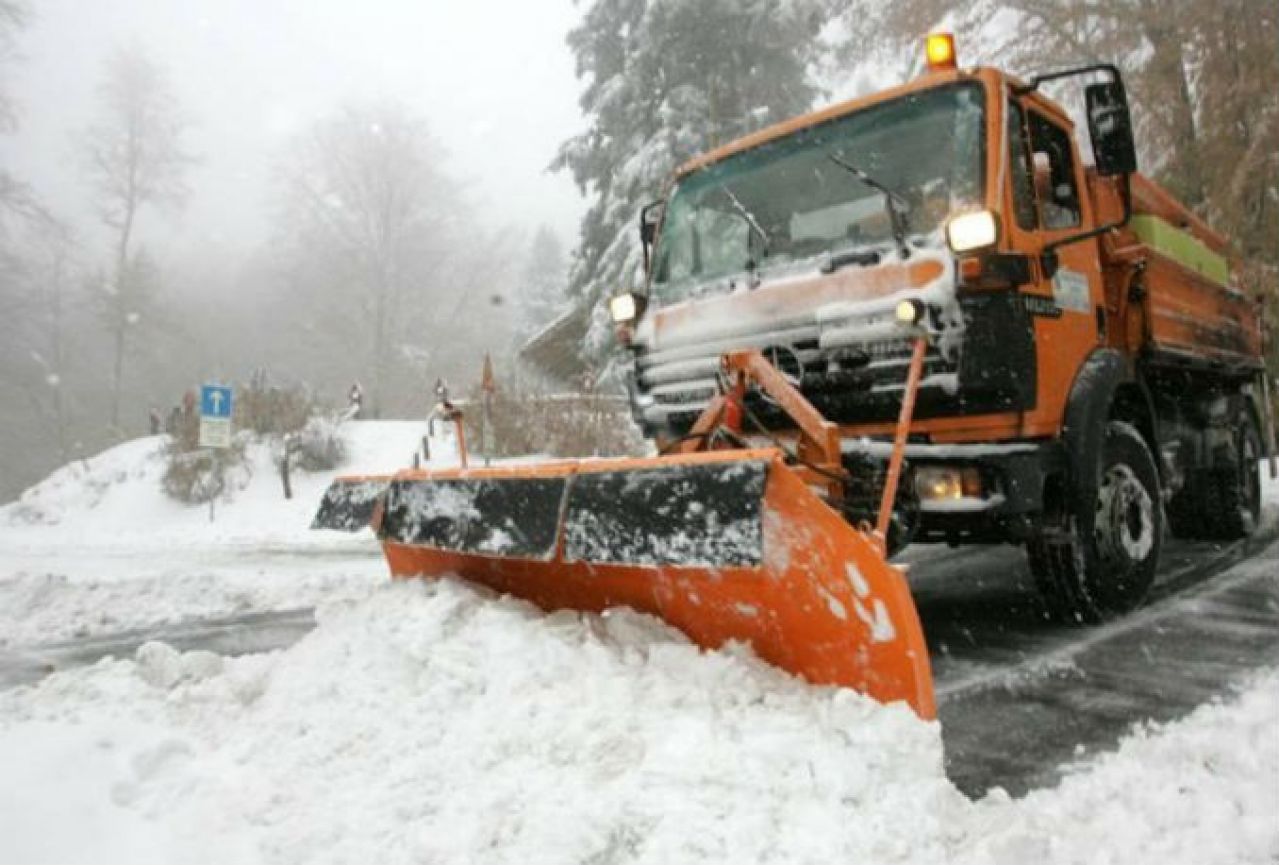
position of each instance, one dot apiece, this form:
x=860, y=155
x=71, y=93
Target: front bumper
x=1010, y=505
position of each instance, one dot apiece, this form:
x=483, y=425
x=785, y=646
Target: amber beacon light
x=940, y=50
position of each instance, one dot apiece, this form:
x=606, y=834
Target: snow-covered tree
x=543, y=289
x=665, y=80
x=135, y=159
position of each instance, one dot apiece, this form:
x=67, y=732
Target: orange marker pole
x=913, y=376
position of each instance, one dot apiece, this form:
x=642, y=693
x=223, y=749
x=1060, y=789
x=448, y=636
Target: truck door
x=1048, y=202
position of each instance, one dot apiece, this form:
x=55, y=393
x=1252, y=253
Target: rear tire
x=1099, y=558
x=1223, y=503
x=1235, y=490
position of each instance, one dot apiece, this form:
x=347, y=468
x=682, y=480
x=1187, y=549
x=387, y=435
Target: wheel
x=1099, y=559
x=1235, y=490
x=1222, y=503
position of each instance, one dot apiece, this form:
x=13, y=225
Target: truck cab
x=960, y=199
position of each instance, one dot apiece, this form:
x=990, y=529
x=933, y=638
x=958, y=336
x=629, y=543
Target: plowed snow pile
x=432, y=723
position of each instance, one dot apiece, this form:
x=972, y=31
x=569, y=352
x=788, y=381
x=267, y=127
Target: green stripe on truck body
x=1180, y=246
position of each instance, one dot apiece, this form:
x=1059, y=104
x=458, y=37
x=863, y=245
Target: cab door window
x=1053, y=169
x=1024, y=206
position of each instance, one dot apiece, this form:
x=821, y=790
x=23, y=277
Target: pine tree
x=665, y=80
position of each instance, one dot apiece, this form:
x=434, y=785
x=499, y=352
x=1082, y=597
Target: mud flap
x=350, y=503
x=724, y=546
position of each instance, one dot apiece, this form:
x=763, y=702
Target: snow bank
x=433, y=723
x=115, y=498
x=98, y=547
x=1200, y=791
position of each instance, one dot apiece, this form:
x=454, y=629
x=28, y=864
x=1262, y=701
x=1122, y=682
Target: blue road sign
x=215, y=401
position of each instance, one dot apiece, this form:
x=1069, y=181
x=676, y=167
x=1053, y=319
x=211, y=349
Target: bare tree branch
x=134, y=159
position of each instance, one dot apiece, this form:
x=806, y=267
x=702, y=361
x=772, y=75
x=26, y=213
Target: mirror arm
x=1033, y=84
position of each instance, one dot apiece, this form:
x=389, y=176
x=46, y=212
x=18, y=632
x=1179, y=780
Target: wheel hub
x=1125, y=521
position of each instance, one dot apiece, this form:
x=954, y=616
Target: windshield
x=800, y=197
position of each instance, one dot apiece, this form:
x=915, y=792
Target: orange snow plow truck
x=914, y=317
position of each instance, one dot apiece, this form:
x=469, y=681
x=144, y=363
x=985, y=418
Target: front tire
x=1099, y=558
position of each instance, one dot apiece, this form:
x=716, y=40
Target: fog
x=494, y=81
x=235, y=280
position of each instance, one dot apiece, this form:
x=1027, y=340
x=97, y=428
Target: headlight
x=969, y=232
x=941, y=483
x=910, y=312
x=623, y=308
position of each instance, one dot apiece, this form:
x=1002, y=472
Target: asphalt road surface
x=1021, y=698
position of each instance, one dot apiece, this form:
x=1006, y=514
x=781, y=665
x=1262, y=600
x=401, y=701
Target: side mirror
x=650, y=218
x=1110, y=127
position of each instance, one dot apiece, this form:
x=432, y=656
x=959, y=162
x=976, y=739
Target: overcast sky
x=494, y=79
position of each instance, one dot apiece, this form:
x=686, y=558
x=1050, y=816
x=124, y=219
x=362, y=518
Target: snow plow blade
x=349, y=504
x=723, y=545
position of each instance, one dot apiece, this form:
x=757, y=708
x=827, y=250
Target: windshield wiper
x=862, y=257
x=898, y=207
x=749, y=217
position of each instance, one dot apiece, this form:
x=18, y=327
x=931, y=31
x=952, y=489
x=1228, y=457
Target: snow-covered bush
x=319, y=445
x=198, y=476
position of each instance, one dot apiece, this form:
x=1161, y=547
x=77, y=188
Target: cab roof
x=990, y=77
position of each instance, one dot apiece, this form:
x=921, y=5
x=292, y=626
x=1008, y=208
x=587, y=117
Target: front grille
x=675, y=391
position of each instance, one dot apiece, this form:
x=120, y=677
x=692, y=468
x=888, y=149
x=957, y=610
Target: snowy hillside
x=115, y=497
x=98, y=547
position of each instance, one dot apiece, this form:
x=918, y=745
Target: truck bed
x=1183, y=304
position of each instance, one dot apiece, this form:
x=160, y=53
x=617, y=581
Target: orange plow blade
x=723, y=545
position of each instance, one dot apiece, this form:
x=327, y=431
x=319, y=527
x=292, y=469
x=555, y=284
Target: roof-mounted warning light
x=940, y=51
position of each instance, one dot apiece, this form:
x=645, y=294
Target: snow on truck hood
x=852, y=304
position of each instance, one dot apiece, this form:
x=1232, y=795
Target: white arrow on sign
x=216, y=397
